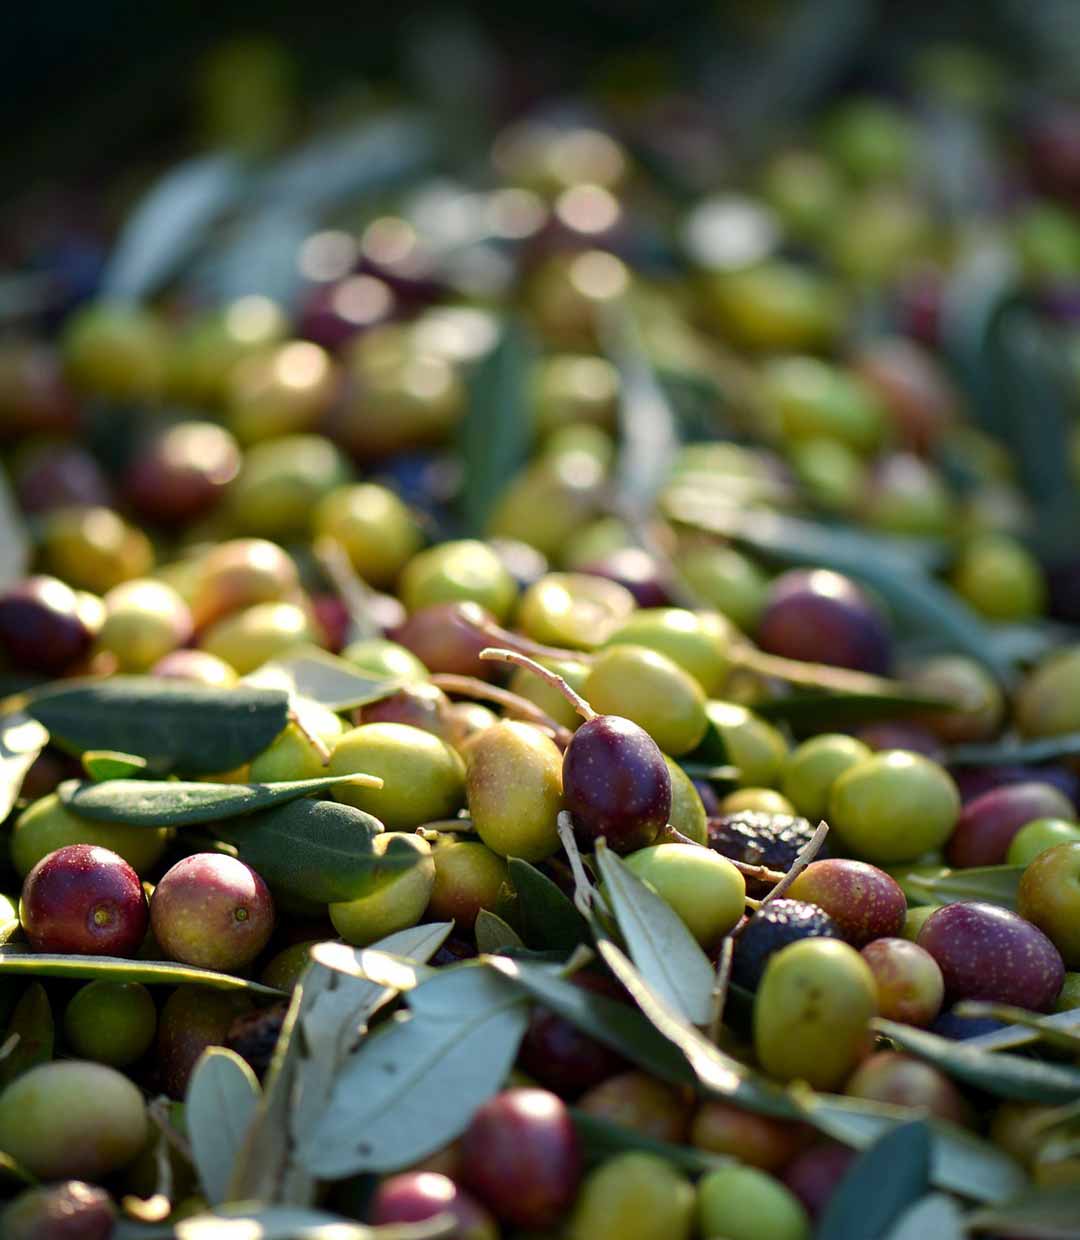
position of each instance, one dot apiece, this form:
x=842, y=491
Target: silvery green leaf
x=880, y=1185
x=936, y=1215
x=21, y=740
x=322, y=677
x=1023, y=1035
x=328, y=1013
x=222, y=1098
x=371, y=965
x=493, y=934
x=414, y=1084
x=664, y=951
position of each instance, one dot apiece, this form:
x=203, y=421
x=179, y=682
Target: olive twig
x=718, y=999
x=499, y=655
x=806, y=854
x=583, y=889
x=506, y=640
x=512, y=703
x=761, y=872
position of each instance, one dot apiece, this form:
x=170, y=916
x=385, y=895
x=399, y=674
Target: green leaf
x=547, y=916
x=175, y=803
x=711, y=772
x=1043, y=1027
x=665, y=953
x=1014, y=752
x=878, y=563
x=168, y=225
x=961, y=1162
x=648, y=434
x=21, y=740
x=220, y=1105
x=246, y=1222
x=493, y=934
x=615, y=1024
x=1022, y=1035
x=817, y=711
x=14, y=541
x=327, y=1012
x=317, y=849
x=319, y=676
x=114, y=969
x=32, y=1021
x=105, y=764
x=998, y=884
x=1003, y=1075
x=602, y=1139
x=1042, y=1214
x=415, y=1083
x=882, y=1182
x=717, y=1073
x=495, y=433
x=177, y=726
x=935, y=1217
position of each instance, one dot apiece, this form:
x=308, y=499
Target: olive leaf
x=999, y=884
x=320, y=850
x=21, y=740
x=495, y=433
x=328, y=1012
x=493, y=934
x=1041, y=1213
x=1017, y=752
x=315, y=674
x=935, y=1215
x=1003, y=1075
x=293, y=1223
x=175, y=803
x=617, y=1025
x=1065, y=1034
x=602, y=1139
x=816, y=711
x=14, y=541
x=883, y=1181
x=415, y=1083
x=547, y=916
x=114, y=969
x=1023, y=1035
x=177, y=726
x=32, y=1027
x=169, y=224
x=105, y=764
x=666, y=954
x=220, y=1104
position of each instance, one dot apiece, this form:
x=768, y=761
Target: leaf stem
x=583, y=889
x=497, y=655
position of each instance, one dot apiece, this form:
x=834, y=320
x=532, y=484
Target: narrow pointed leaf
x=14, y=960
x=999, y=884
x=21, y=740
x=317, y=849
x=1041, y=1214
x=547, y=915
x=105, y=764
x=1003, y=1075
x=14, y=540
x=936, y=1216
x=415, y=1083
x=221, y=1102
x=32, y=1021
x=1054, y=1030
x=177, y=726
x=666, y=954
x=822, y=710
x=493, y=935
x=1023, y=1035
x=882, y=1182
x=175, y=803
x=322, y=677
x=1017, y=752
x=170, y=223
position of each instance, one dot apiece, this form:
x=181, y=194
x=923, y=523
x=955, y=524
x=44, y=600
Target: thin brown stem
x=506, y=640
x=497, y=655
x=513, y=703
x=720, y=988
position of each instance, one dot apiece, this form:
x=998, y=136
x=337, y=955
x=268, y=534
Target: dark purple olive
x=61, y=476
x=43, y=625
x=987, y=824
x=819, y=616
x=616, y=783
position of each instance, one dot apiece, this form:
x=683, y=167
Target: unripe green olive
x=531, y=687
x=250, y=638
x=746, y=1203
x=282, y=480
x=144, y=621
x=376, y=529
x=46, y=825
x=573, y=610
x=651, y=690
x=633, y=1196
x=704, y=888
x=687, y=814
x=454, y=572
x=393, y=903
x=748, y=742
x=811, y=769
x=111, y=1022
x=514, y=787
x=699, y=642
x=94, y=548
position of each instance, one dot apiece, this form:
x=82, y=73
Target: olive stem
x=583, y=889
x=720, y=988
x=513, y=703
x=806, y=854
x=507, y=640
x=498, y=655
x=760, y=872
x=317, y=743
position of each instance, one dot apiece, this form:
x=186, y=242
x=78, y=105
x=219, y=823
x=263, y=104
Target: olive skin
x=72, y=1210
x=642, y=1103
x=812, y=1012
x=865, y=902
x=988, y=824
x=633, y=1196
x=414, y=1196
x=616, y=783
x=986, y=952
x=84, y=900
x=193, y=1018
x=515, y=790
x=911, y=988
x=721, y=1128
x=41, y=626
x=448, y=637
x=888, y=1076
x=1050, y=898
x=522, y=1157
x=111, y=1022
x=652, y=690
x=814, y=1174
x=811, y=769
x=744, y=1203
x=46, y=825
x=468, y=878
x=71, y=1118
x=706, y=891
x=392, y=903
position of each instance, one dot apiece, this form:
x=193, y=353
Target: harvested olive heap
x=549, y=701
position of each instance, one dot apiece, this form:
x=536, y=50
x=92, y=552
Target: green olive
x=515, y=790
x=653, y=691
x=380, y=535
x=454, y=572
x=699, y=642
